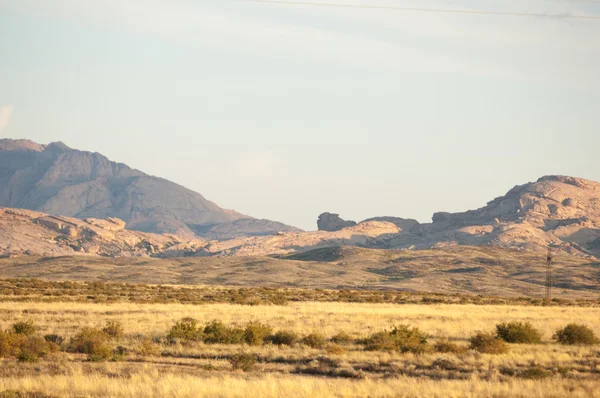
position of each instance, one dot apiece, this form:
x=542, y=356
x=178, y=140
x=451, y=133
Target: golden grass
x=200, y=370
x=154, y=384
x=453, y=321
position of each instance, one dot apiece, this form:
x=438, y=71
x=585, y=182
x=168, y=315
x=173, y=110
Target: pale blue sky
x=284, y=112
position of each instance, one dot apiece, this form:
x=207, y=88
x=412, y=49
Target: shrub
x=535, y=373
x=26, y=328
x=147, y=348
x=54, y=338
x=518, y=332
x=402, y=338
x=113, y=329
x=185, y=329
x=256, y=333
x=24, y=348
x=342, y=338
x=575, y=334
x=314, y=340
x=244, y=361
x=445, y=346
x=284, y=337
x=93, y=342
x=217, y=333
x=488, y=343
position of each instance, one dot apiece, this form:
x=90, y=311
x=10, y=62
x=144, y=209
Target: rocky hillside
x=58, y=180
x=27, y=232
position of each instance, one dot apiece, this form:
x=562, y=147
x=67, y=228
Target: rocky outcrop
x=24, y=232
x=333, y=222
x=58, y=180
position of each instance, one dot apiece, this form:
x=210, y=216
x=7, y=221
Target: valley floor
x=153, y=365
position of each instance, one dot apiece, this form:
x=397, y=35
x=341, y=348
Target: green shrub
x=402, y=338
x=342, y=338
x=26, y=328
x=488, y=343
x=314, y=340
x=113, y=329
x=244, y=361
x=185, y=329
x=216, y=332
x=518, y=332
x=284, y=337
x=575, y=334
x=256, y=333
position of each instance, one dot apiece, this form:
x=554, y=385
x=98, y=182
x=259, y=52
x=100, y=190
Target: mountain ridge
x=59, y=180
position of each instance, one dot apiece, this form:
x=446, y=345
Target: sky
x=287, y=111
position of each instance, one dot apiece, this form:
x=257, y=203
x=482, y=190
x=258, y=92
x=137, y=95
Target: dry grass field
x=146, y=360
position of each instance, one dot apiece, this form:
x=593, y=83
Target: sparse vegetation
x=272, y=342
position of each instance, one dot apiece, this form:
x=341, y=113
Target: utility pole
x=549, y=275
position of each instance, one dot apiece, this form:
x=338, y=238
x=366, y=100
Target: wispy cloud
x=6, y=112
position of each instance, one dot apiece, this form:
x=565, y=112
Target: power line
x=431, y=10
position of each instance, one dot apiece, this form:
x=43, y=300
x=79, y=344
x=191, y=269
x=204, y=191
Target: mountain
x=555, y=211
x=58, y=180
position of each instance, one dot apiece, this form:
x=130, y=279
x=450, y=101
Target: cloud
x=6, y=112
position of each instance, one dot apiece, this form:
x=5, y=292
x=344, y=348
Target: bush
x=24, y=348
x=575, y=334
x=535, y=373
x=256, y=333
x=342, y=338
x=93, y=342
x=26, y=328
x=217, y=333
x=113, y=329
x=518, y=332
x=314, y=340
x=402, y=338
x=284, y=337
x=488, y=343
x=185, y=329
x=243, y=361
x=445, y=346
x=54, y=338
x=147, y=348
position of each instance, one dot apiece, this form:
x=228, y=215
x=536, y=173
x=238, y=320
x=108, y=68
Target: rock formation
x=333, y=222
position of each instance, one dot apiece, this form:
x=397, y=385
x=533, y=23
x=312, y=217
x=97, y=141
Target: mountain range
x=59, y=180
x=61, y=201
